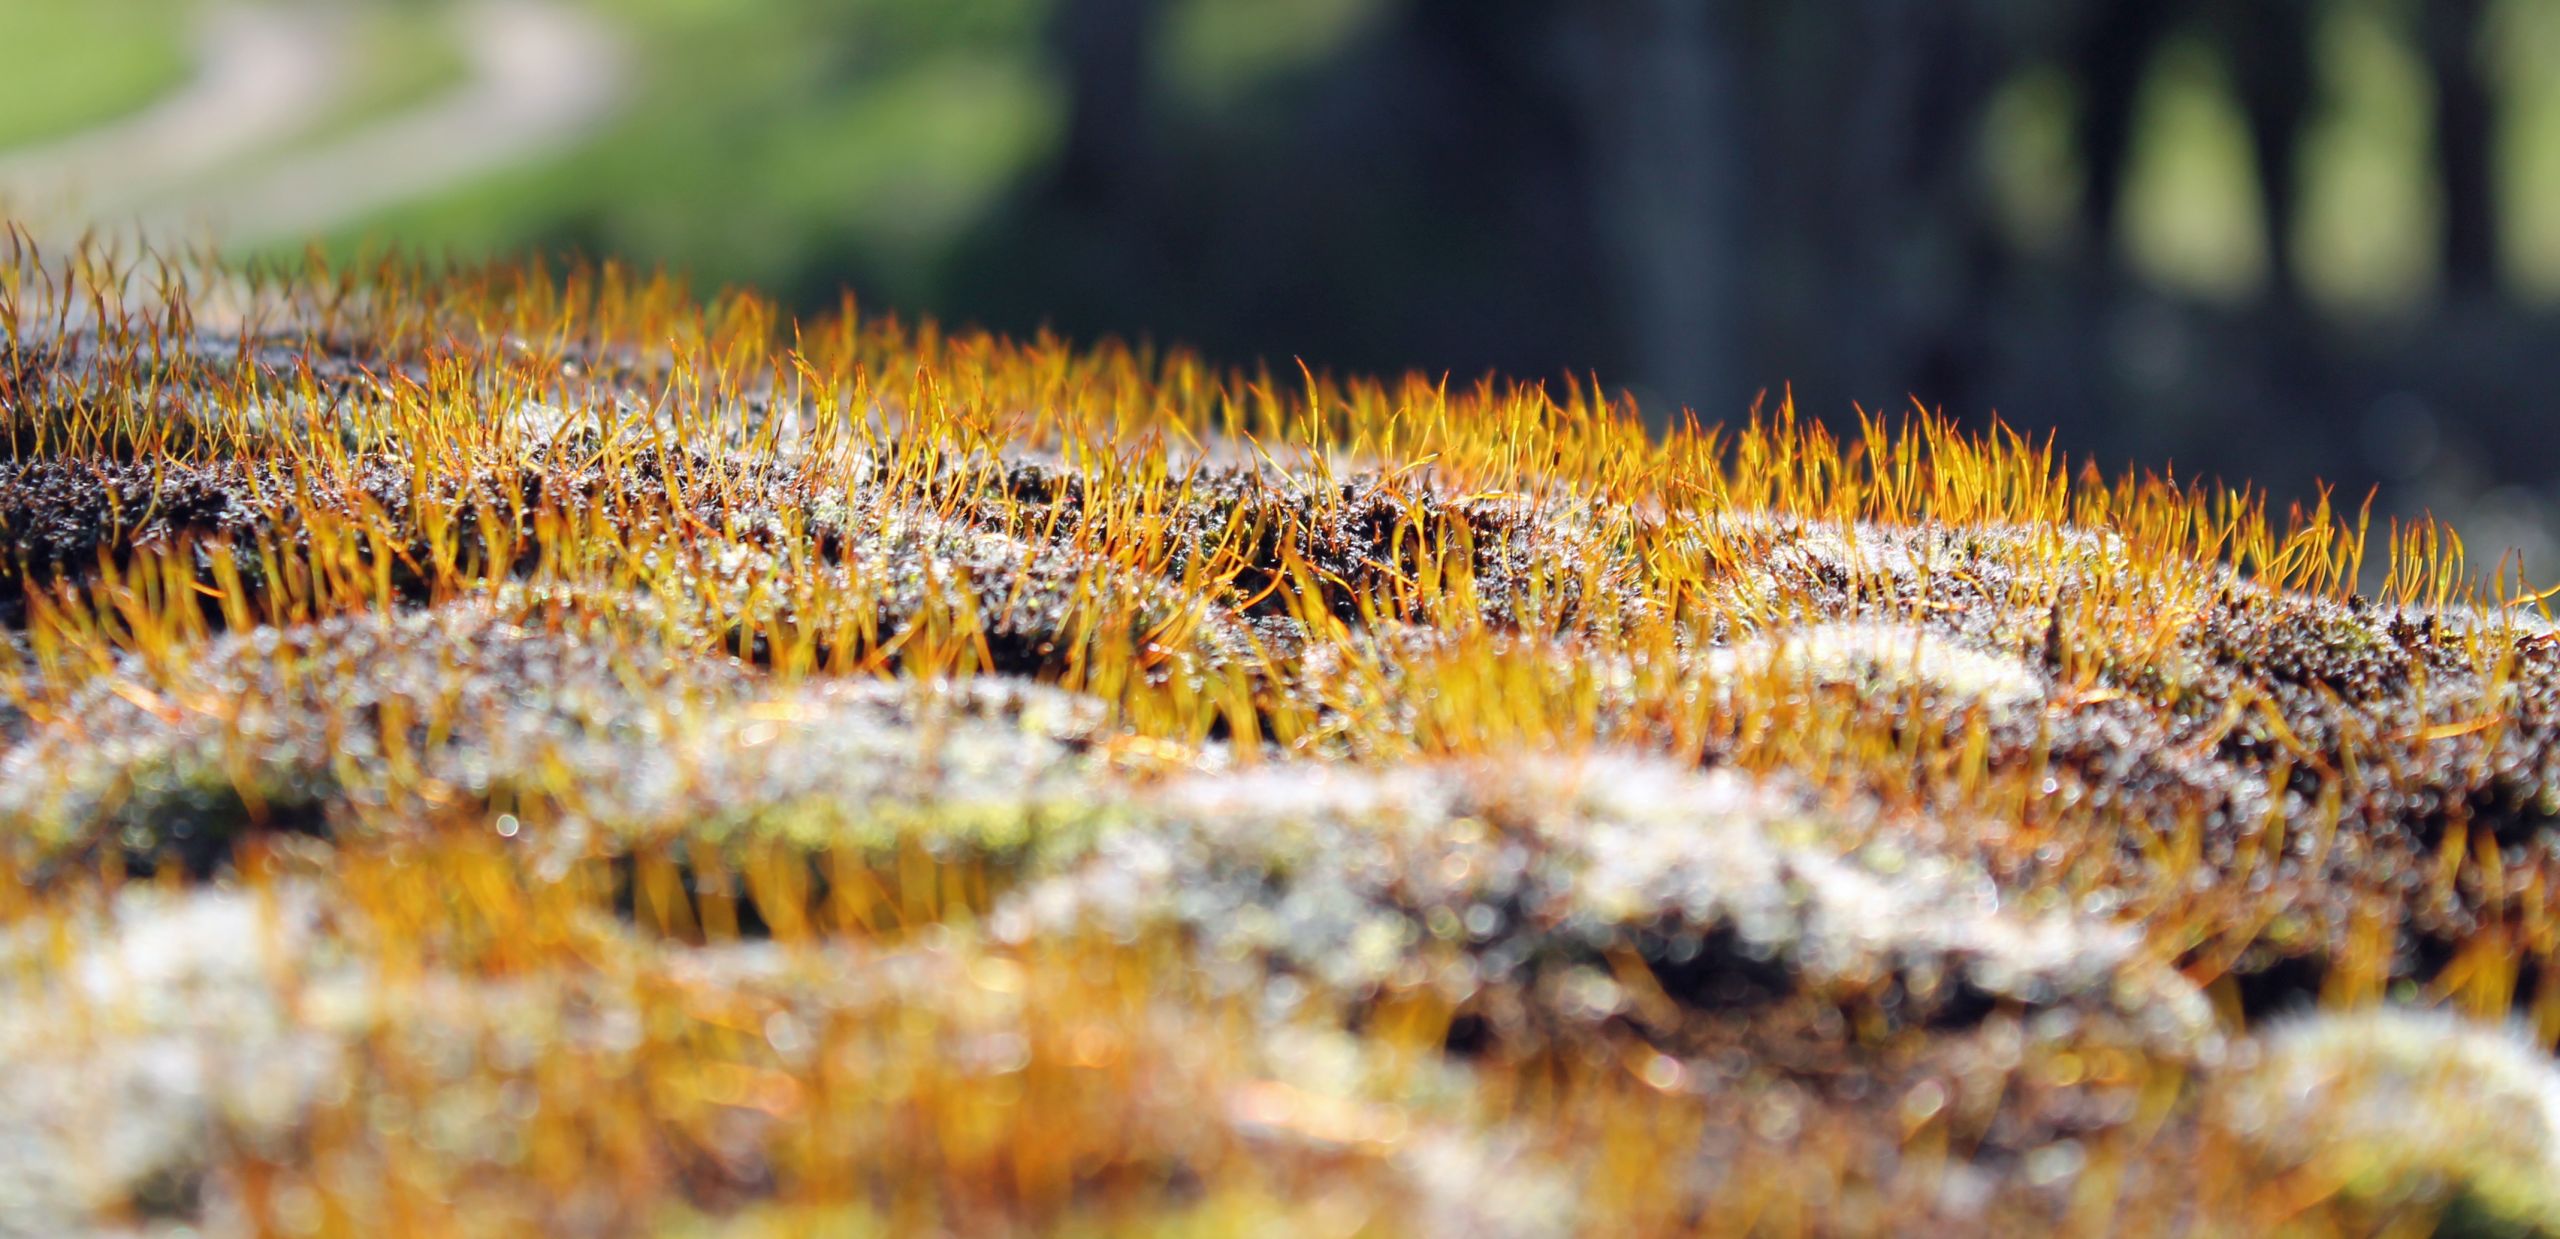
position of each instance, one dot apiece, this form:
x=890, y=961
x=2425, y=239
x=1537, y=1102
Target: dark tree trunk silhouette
x=2110, y=60
x=2465, y=130
x=1658, y=87
x=2270, y=54
x=1107, y=50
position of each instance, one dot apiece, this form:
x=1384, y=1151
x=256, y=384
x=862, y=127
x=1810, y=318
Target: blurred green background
x=2270, y=239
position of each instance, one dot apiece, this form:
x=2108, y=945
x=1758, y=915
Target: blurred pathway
x=542, y=75
x=261, y=73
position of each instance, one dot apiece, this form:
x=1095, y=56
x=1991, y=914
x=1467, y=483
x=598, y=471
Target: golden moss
x=603, y=763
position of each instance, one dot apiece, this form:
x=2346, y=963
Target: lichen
x=555, y=716
x=2417, y=1114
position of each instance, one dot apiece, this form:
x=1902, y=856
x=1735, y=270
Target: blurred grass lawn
x=66, y=65
x=866, y=137
x=870, y=132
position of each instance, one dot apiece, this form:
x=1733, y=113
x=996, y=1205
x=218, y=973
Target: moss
x=894, y=757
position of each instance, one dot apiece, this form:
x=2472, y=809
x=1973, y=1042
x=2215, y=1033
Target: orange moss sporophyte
x=499, y=748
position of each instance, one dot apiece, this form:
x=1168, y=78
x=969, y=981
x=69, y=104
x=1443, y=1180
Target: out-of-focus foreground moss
x=493, y=751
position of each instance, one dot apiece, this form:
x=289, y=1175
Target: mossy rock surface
x=607, y=766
